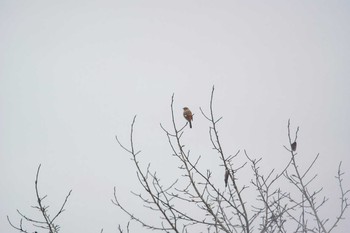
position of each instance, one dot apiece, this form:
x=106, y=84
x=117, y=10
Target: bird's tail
x=190, y=124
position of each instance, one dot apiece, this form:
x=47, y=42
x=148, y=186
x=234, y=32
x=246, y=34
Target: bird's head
x=185, y=108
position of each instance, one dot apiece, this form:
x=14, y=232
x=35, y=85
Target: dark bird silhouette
x=294, y=146
x=226, y=177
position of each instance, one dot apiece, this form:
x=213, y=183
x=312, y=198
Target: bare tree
x=274, y=210
x=46, y=222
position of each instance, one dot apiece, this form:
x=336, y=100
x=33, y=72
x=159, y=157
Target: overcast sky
x=74, y=73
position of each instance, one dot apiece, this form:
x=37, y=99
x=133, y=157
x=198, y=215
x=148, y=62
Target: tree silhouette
x=195, y=203
x=274, y=210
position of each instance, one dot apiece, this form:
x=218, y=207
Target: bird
x=188, y=115
x=294, y=146
x=226, y=177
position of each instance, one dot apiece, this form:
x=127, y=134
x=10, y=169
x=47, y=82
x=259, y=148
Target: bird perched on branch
x=188, y=115
x=226, y=177
x=294, y=146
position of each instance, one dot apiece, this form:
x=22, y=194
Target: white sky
x=72, y=76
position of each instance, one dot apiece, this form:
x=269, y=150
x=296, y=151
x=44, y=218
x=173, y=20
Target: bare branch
x=46, y=224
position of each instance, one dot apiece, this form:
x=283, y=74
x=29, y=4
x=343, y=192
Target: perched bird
x=294, y=146
x=226, y=177
x=188, y=115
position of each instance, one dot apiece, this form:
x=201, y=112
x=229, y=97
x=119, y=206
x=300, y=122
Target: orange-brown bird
x=294, y=146
x=188, y=115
